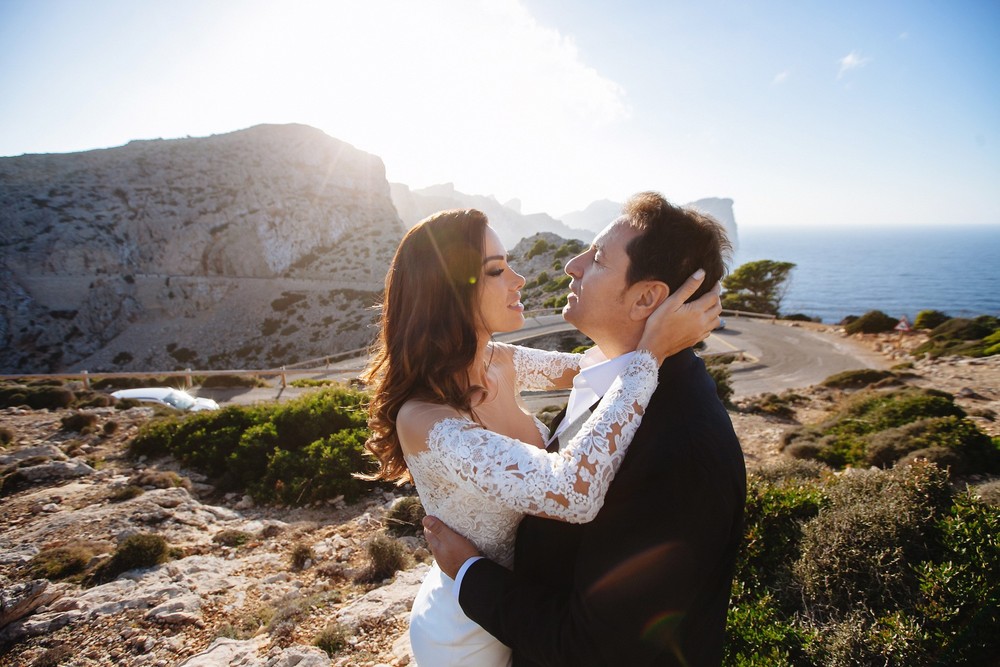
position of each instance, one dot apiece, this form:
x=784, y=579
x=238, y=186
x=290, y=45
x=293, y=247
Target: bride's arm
x=568, y=485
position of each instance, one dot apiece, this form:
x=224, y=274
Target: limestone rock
x=387, y=601
x=21, y=599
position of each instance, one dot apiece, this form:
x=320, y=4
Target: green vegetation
x=302, y=556
x=857, y=379
x=232, y=380
x=827, y=577
x=874, y=321
x=60, y=562
x=332, y=638
x=139, y=550
x=6, y=436
x=231, y=537
x=882, y=427
x=979, y=337
x=386, y=556
x=929, y=319
x=81, y=422
x=775, y=405
x=757, y=287
x=540, y=246
x=295, y=452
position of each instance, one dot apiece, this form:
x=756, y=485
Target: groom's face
x=597, y=304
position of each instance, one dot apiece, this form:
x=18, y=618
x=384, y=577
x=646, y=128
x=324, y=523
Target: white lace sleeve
x=568, y=485
x=536, y=369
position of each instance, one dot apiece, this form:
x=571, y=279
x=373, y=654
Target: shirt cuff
x=461, y=575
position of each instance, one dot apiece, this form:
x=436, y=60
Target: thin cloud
x=904, y=35
x=852, y=60
x=780, y=78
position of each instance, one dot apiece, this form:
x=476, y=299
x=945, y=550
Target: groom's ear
x=647, y=295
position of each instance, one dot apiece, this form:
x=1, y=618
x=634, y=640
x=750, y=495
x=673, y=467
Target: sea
x=852, y=270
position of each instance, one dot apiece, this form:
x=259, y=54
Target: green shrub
x=861, y=553
x=949, y=441
x=774, y=405
x=405, y=516
x=386, y=556
x=869, y=568
x=233, y=381
x=302, y=555
x=557, y=301
x=775, y=513
x=123, y=493
x=36, y=396
x=540, y=246
x=139, y=550
x=856, y=379
x=842, y=438
x=874, y=321
x=60, y=562
x=930, y=319
x=332, y=638
x=6, y=436
x=81, y=422
x=758, y=636
x=723, y=382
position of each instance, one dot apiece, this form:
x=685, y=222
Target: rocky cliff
x=506, y=219
x=257, y=247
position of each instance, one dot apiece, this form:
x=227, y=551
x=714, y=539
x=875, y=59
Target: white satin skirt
x=441, y=635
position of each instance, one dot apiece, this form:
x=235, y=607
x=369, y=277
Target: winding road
x=776, y=356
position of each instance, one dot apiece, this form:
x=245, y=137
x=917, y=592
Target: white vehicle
x=174, y=398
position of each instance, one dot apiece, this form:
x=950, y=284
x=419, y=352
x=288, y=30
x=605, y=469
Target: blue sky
x=804, y=113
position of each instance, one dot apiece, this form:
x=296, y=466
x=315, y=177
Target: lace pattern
x=535, y=368
x=481, y=483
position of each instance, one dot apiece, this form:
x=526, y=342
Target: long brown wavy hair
x=427, y=339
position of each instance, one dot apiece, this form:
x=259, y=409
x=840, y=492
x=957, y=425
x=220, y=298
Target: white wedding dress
x=481, y=484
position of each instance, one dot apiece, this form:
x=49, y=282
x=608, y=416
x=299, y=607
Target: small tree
x=757, y=287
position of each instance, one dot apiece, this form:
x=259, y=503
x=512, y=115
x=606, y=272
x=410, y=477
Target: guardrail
x=188, y=374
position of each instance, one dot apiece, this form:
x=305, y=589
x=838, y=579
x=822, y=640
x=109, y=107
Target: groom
x=648, y=581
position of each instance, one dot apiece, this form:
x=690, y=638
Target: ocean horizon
x=900, y=271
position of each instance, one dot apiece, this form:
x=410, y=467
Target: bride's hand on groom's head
x=675, y=325
x=450, y=549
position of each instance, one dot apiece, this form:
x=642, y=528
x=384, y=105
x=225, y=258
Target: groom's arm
x=549, y=627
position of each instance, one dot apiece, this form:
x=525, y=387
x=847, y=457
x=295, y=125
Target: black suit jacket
x=648, y=581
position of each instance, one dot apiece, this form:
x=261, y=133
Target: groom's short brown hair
x=673, y=243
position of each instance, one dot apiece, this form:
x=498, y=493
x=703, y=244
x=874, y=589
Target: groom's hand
x=450, y=549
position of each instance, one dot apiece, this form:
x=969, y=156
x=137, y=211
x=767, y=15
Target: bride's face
x=500, y=306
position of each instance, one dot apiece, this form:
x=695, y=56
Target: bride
x=446, y=411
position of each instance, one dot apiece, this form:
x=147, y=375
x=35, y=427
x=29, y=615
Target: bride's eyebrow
x=493, y=257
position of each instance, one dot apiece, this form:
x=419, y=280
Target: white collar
x=593, y=381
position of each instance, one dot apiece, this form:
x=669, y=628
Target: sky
x=805, y=113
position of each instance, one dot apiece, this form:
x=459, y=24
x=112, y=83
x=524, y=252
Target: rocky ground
x=251, y=604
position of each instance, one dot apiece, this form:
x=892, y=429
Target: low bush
x=874, y=321
x=843, y=438
x=122, y=493
x=81, y=422
x=856, y=379
x=332, y=638
x=722, y=377
x=36, y=396
x=976, y=337
x=950, y=441
x=875, y=567
x=296, y=452
x=6, y=436
x=233, y=381
x=404, y=517
x=302, y=556
x=772, y=404
x=139, y=550
x=386, y=556
x=60, y=562
x=929, y=319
